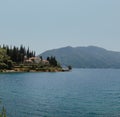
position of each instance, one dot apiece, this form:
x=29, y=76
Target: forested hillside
x=85, y=57
x=21, y=59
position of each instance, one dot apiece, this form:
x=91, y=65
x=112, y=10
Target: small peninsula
x=20, y=59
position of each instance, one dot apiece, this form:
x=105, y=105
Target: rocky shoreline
x=26, y=70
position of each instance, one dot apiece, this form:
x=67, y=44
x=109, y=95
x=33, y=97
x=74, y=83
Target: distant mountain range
x=85, y=57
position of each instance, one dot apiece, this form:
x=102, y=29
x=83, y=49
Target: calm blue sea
x=79, y=93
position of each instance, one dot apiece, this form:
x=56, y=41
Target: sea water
x=78, y=93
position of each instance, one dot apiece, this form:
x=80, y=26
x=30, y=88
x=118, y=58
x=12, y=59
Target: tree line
x=52, y=60
x=12, y=55
x=17, y=54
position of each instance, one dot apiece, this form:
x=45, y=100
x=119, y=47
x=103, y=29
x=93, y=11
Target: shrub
x=3, y=66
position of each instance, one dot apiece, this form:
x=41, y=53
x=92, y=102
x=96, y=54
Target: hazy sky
x=47, y=24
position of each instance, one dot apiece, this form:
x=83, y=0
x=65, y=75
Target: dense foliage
x=52, y=61
x=17, y=54
x=20, y=57
x=5, y=61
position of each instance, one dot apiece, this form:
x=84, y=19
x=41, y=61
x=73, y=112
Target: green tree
x=3, y=113
x=52, y=60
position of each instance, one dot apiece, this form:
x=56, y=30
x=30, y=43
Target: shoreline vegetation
x=19, y=70
x=20, y=59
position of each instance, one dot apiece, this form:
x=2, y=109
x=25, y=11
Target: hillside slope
x=85, y=57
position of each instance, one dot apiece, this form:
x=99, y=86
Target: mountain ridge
x=85, y=57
